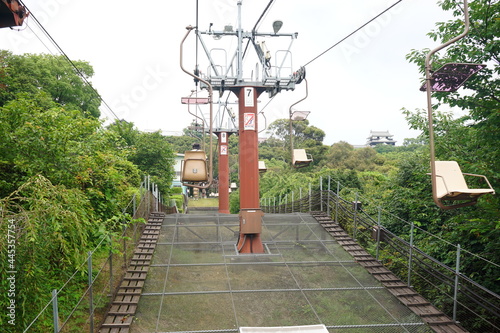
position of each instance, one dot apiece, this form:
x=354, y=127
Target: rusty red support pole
x=223, y=172
x=250, y=213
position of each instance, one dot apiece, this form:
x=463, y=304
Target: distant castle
x=380, y=138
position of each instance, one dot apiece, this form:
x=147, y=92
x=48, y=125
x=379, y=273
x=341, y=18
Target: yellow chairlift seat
x=451, y=184
x=262, y=167
x=194, y=167
x=300, y=158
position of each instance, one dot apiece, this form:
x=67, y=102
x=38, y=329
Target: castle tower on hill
x=380, y=137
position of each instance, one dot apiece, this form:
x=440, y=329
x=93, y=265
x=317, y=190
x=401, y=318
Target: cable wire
x=78, y=72
x=352, y=33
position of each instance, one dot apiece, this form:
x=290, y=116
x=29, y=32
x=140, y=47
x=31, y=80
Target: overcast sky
x=134, y=47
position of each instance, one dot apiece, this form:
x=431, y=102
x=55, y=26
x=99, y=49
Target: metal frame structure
x=230, y=77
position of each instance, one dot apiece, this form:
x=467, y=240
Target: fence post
x=379, y=226
x=309, y=196
x=157, y=201
x=292, y=201
x=91, y=301
x=328, y=197
x=111, y=266
x=279, y=204
x=300, y=199
x=274, y=205
x=355, y=204
x=410, y=257
x=158, y=205
x=149, y=197
x=337, y=202
x=455, y=294
x=321, y=193
x=286, y=203
x=55, y=311
x=134, y=208
x=124, y=246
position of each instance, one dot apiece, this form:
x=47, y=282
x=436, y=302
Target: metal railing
x=445, y=285
x=75, y=307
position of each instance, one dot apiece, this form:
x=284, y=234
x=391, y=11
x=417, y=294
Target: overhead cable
x=79, y=73
x=352, y=33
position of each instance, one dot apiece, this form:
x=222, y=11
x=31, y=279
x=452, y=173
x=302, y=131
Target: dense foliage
x=396, y=177
x=64, y=178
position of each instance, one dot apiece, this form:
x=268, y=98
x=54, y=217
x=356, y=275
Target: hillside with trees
x=396, y=178
x=64, y=177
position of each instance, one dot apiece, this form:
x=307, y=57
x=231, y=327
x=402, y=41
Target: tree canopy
x=64, y=178
x=59, y=79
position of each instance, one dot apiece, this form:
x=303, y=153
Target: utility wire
x=352, y=33
x=68, y=59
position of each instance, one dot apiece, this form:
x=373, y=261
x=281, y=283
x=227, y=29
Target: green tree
x=39, y=137
x=154, y=156
x=273, y=148
x=65, y=84
x=180, y=144
x=64, y=179
x=482, y=100
x=53, y=226
x=304, y=136
x=472, y=140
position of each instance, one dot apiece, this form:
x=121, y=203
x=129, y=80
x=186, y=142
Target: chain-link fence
x=444, y=284
x=77, y=306
x=199, y=282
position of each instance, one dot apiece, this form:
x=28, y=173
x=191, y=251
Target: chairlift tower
x=267, y=77
x=223, y=130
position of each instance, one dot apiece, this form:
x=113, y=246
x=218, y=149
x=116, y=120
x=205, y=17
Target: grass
x=208, y=202
x=208, y=287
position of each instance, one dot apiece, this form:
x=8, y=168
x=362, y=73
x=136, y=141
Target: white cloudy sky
x=134, y=47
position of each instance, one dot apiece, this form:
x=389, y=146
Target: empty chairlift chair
x=194, y=168
x=300, y=158
x=451, y=185
x=262, y=167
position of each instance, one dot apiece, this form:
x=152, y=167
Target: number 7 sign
x=249, y=96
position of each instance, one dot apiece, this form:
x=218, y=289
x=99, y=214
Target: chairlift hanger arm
x=292, y=150
x=210, y=95
x=307, y=94
x=429, y=106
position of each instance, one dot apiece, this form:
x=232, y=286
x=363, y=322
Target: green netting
x=198, y=281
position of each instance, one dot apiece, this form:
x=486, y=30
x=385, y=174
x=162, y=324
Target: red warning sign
x=249, y=121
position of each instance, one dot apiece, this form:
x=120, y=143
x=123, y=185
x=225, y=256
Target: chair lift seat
x=300, y=158
x=451, y=185
x=262, y=167
x=194, y=168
